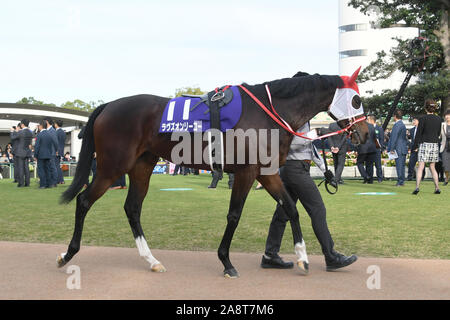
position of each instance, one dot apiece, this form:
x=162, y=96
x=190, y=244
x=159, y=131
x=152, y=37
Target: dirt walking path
x=28, y=271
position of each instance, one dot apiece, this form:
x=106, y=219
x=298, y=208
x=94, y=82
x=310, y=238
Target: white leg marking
x=144, y=251
x=300, y=251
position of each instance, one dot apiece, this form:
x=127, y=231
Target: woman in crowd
x=427, y=143
x=445, y=145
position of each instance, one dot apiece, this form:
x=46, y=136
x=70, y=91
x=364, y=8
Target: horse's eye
x=356, y=102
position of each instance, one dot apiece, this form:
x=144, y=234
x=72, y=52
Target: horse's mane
x=302, y=82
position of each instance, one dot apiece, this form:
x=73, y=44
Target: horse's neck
x=300, y=109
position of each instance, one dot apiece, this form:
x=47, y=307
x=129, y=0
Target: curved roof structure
x=35, y=113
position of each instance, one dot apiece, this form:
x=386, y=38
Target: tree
x=432, y=19
x=32, y=100
x=78, y=104
x=412, y=102
x=188, y=90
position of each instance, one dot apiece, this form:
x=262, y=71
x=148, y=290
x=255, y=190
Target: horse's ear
x=355, y=75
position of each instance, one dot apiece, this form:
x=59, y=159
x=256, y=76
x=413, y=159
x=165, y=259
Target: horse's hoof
x=60, y=262
x=303, y=267
x=158, y=268
x=231, y=273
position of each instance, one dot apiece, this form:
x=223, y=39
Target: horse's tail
x=85, y=158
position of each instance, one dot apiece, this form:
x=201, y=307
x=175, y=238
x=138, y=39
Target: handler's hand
x=329, y=176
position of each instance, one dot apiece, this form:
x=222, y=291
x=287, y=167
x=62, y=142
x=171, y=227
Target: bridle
x=311, y=135
x=305, y=135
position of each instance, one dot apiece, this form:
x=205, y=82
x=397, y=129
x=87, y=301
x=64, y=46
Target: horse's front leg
x=275, y=187
x=243, y=181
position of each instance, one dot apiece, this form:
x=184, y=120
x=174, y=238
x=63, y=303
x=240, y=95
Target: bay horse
x=131, y=125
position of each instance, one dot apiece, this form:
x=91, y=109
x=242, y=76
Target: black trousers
x=378, y=166
x=364, y=162
x=216, y=176
x=300, y=186
x=23, y=171
x=16, y=171
x=339, y=164
x=59, y=174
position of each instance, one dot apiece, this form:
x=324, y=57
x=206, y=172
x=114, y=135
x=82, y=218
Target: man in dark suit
x=366, y=156
x=45, y=152
x=413, y=155
x=22, y=139
x=338, y=146
x=13, y=152
x=398, y=144
x=61, y=136
x=379, y=135
x=53, y=171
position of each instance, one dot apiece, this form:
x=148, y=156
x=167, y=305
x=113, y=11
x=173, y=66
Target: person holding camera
x=21, y=137
x=297, y=180
x=13, y=158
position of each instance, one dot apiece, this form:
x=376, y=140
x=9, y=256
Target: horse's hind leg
x=84, y=202
x=275, y=187
x=139, y=181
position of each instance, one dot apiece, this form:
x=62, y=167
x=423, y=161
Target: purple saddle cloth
x=178, y=115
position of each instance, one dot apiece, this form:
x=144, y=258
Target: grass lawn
x=400, y=225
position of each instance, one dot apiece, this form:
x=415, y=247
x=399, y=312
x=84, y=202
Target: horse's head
x=346, y=108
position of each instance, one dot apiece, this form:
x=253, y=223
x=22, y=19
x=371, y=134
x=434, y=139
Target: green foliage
x=426, y=15
x=435, y=86
x=77, y=104
x=431, y=17
x=81, y=105
x=32, y=100
x=188, y=90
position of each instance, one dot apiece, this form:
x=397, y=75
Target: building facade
x=359, y=41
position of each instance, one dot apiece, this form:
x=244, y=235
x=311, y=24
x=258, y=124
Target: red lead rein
x=276, y=117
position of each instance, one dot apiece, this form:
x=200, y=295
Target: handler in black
x=300, y=186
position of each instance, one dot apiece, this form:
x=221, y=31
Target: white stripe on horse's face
x=144, y=251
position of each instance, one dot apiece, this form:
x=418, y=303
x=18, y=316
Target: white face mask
x=342, y=108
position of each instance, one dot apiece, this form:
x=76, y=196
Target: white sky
x=60, y=50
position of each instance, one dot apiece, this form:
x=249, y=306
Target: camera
x=417, y=43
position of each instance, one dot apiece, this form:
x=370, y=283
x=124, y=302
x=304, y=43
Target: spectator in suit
x=338, y=146
x=54, y=171
x=14, y=159
x=178, y=168
x=398, y=144
x=427, y=144
x=379, y=135
x=366, y=156
x=45, y=152
x=22, y=139
x=413, y=154
x=61, y=136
